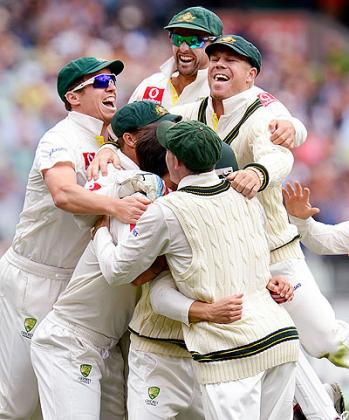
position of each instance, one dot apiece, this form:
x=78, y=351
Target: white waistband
x=37, y=269
x=95, y=338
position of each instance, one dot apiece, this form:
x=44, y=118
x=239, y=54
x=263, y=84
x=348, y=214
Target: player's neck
x=180, y=82
x=218, y=107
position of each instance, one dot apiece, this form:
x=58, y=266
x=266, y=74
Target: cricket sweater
x=250, y=139
x=230, y=255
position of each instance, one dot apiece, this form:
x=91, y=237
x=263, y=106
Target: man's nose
x=184, y=47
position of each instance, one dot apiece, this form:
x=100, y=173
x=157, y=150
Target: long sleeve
x=277, y=160
x=280, y=112
x=167, y=300
x=321, y=238
x=123, y=262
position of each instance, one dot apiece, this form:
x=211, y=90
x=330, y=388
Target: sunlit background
x=305, y=48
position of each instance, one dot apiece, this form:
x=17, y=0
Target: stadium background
x=305, y=64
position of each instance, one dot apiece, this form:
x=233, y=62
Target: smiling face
x=229, y=73
x=189, y=60
x=99, y=103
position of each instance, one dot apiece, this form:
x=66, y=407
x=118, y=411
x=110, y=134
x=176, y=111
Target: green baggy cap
x=239, y=45
x=82, y=66
x=139, y=114
x=227, y=159
x=197, y=18
x=192, y=142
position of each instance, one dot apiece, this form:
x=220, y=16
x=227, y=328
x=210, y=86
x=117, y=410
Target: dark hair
x=150, y=153
x=72, y=86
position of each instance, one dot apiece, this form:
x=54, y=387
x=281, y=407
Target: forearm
x=123, y=262
x=278, y=163
x=301, y=131
x=166, y=299
x=115, y=271
x=323, y=239
x=75, y=199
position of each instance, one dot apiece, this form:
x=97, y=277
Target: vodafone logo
x=94, y=187
x=154, y=94
x=266, y=98
x=88, y=158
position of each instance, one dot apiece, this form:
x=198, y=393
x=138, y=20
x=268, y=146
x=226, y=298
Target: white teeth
x=185, y=59
x=221, y=77
x=109, y=102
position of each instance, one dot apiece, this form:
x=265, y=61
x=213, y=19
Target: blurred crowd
x=306, y=66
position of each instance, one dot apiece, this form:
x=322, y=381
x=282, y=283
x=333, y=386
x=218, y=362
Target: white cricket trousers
x=80, y=372
x=266, y=396
x=319, y=331
x=27, y=293
x=162, y=387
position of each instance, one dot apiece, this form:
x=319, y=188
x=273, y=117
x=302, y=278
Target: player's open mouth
x=110, y=102
x=219, y=77
x=185, y=59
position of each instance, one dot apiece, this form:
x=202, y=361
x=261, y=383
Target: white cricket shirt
x=46, y=234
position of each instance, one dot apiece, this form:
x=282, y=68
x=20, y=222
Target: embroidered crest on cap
x=187, y=17
x=227, y=39
x=160, y=110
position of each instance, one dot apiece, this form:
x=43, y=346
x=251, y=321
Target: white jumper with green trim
x=321, y=336
x=251, y=144
x=215, y=244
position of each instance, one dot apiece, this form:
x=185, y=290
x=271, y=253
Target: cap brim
x=210, y=48
x=227, y=159
x=186, y=26
x=162, y=130
x=115, y=67
x=170, y=117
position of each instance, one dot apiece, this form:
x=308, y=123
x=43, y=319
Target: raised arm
x=318, y=237
x=287, y=131
x=270, y=163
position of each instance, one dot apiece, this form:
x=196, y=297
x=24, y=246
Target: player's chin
x=187, y=70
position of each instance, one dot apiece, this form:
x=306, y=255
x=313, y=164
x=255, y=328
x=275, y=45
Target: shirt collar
x=90, y=124
x=239, y=101
x=202, y=180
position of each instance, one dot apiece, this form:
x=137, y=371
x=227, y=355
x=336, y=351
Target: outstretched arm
x=318, y=237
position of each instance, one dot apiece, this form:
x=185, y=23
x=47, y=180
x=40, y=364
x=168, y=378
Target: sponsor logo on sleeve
x=154, y=94
x=88, y=158
x=266, y=98
x=94, y=186
x=135, y=232
x=56, y=150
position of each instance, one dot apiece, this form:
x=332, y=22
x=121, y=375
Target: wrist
x=258, y=173
x=262, y=173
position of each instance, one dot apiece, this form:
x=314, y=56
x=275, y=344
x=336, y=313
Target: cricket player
x=183, y=77
x=87, y=376
x=243, y=115
x=77, y=341
x=183, y=80
x=318, y=237
x=189, y=227
x=48, y=242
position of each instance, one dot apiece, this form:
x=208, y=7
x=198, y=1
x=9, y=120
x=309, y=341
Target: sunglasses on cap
x=193, y=41
x=100, y=81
